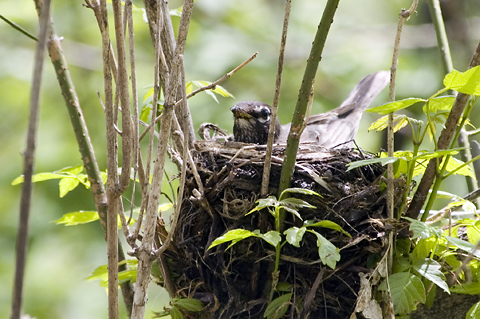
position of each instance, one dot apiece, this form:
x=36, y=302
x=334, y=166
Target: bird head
x=252, y=120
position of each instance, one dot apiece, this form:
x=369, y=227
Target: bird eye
x=265, y=112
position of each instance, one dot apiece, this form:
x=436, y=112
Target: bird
x=335, y=128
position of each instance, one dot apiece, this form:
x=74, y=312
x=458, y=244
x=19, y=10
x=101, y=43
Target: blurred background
x=222, y=35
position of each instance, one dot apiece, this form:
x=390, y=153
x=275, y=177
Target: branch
x=18, y=28
x=122, y=89
x=273, y=119
x=404, y=15
x=304, y=94
x=213, y=85
x=29, y=156
x=444, y=142
x=145, y=250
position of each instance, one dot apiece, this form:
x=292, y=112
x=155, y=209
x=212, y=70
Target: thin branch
x=122, y=85
x=213, y=85
x=145, y=250
x=276, y=95
x=29, y=156
x=304, y=94
x=18, y=28
x=402, y=17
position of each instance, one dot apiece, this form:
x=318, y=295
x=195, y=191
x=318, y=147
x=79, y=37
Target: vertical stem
x=304, y=95
x=29, y=154
x=278, y=82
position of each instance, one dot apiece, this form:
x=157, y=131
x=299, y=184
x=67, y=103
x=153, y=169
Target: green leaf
x=442, y=103
x=127, y=275
x=422, y=230
x=384, y=161
x=77, y=218
x=294, y=235
x=272, y=237
x=234, y=235
x=399, y=120
x=455, y=164
x=189, y=304
x=145, y=114
x=278, y=307
x=302, y=191
x=328, y=253
x=175, y=313
x=467, y=82
x=74, y=170
x=40, y=177
x=407, y=290
x=435, y=154
x=465, y=245
x=394, y=106
x=327, y=224
x=474, y=312
x=423, y=249
x=470, y=288
x=430, y=269
x=66, y=185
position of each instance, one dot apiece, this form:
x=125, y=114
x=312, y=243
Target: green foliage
x=177, y=304
x=70, y=178
x=77, y=218
x=407, y=291
x=327, y=252
x=101, y=273
x=278, y=307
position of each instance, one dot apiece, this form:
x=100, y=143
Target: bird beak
x=238, y=112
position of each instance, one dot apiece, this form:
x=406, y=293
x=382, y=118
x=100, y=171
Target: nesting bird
x=333, y=128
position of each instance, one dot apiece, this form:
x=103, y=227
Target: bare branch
x=29, y=155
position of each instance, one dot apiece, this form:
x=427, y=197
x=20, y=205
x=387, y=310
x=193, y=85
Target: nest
x=233, y=283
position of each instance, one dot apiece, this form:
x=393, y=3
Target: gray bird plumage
x=333, y=128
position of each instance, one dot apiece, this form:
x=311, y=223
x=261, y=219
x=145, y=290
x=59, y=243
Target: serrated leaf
x=470, y=288
x=327, y=224
x=66, y=185
x=77, y=218
x=454, y=164
x=328, y=253
x=407, y=290
x=294, y=235
x=394, y=106
x=384, y=161
x=422, y=230
x=467, y=82
x=278, y=307
x=465, y=245
x=431, y=270
x=189, y=304
x=474, y=312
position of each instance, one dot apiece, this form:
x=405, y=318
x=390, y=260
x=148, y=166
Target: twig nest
x=232, y=283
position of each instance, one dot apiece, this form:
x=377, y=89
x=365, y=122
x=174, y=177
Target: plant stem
x=304, y=96
x=278, y=81
x=29, y=156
